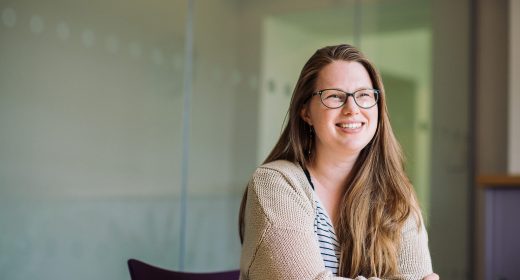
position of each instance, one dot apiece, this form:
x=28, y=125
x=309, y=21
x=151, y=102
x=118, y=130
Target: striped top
x=329, y=246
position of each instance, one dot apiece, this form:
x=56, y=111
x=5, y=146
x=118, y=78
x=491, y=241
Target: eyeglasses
x=335, y=98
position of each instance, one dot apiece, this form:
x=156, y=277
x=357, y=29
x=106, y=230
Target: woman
x=332, y=198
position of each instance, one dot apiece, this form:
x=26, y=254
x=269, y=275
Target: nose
x=350, y=107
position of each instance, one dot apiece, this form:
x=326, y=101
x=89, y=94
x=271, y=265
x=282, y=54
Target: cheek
x=373, y=117
x=318, y=116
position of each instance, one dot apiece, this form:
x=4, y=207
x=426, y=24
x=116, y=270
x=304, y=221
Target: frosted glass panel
x=90, y=114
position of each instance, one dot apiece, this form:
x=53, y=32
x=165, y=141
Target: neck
x=331, y=169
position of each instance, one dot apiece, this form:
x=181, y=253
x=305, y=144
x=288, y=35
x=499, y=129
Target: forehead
x=346, y=75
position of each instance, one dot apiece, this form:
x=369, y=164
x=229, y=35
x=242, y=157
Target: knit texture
x=280, y=242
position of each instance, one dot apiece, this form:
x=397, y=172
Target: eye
x=333, y=96
x=364, y=94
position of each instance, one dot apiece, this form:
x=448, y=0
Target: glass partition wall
x=129, y=129
x=90, y=143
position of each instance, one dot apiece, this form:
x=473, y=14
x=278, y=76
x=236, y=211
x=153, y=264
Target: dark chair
x=143, y=271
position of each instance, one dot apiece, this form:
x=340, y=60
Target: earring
x=310, y=140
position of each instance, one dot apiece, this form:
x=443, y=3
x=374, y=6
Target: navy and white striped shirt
x=328, y=242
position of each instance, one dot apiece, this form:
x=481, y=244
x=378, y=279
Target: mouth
x=350, y=125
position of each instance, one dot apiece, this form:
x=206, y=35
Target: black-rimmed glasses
x=334, y=98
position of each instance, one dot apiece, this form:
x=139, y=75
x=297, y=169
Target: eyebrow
x=340, y=89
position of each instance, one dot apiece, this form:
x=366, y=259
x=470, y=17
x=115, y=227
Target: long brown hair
x=378, y=197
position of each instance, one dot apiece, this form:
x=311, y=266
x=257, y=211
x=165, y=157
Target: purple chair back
x=143, y=271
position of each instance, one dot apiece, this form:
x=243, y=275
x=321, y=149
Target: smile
x=350, y=125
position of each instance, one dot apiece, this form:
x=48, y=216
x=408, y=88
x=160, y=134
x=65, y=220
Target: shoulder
x=414, y=223
x=281, y=173
x=282, y=185
x=278, y=170
x=283, y=166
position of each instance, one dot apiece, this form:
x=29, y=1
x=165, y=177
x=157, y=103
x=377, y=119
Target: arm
x=414, y=255
x=279, y=239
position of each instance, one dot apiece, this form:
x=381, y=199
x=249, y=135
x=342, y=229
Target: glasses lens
x=365, y=98
x=333, y=98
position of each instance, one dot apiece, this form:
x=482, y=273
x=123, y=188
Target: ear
x=304, y=114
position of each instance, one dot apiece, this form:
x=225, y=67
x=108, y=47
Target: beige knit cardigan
x=280, y=242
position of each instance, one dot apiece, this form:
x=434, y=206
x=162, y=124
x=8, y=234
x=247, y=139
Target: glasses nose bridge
x=348, y=94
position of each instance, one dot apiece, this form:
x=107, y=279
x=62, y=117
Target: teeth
x=350, y=125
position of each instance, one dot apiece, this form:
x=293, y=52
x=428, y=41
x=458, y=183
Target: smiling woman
x=332, y=198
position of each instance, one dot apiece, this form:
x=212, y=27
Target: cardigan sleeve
x=279, y=241
x=414, y=256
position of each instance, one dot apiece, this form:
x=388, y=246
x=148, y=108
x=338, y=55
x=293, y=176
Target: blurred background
x=129, y=129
